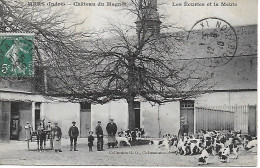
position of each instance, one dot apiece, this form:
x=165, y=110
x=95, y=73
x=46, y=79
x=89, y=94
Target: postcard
x=170, y=83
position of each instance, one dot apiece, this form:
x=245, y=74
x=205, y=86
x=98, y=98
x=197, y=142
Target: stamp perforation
x=15, y=59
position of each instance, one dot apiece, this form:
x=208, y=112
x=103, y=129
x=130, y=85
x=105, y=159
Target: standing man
x=49, y=130
x=28, y=133
x=73, y=133
x=184, y=128
x=111, y=131
x=57, y=137
x=99, y=132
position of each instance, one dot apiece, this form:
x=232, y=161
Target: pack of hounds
x=216, y=143
x=125, y=137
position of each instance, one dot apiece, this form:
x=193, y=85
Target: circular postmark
x=213, y=41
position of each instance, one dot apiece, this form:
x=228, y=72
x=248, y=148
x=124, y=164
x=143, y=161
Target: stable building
x=19, y=103
x=231, y=104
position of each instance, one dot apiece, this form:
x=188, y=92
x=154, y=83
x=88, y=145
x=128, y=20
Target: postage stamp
x=215, y=39
x=16, y=55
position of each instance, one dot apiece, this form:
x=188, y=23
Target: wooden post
x=252, y=120
x=33, y=116
x=195, y=120
x=5, y=116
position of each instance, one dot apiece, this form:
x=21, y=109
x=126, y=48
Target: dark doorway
x=137, y=114
x=37, y=114
x=85, y=119
x=187, y=112
x=14, y=122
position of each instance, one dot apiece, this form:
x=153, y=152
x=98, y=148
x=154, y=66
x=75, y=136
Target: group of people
x=111, y=129
x=73, y=134
x=55, y=134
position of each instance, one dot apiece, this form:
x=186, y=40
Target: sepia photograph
x=167, y=83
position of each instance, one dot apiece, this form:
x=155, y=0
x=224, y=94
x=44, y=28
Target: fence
x=226, y=118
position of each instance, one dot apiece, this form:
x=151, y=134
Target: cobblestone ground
x=15, y=153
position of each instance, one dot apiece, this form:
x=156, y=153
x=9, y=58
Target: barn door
x=25, y=109
x=5, y=112
x=15, y=121
x=187, y=113
x=85, y=119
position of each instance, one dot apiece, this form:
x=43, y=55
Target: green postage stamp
x=16, y=55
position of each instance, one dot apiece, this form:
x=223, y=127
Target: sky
x=244, y=13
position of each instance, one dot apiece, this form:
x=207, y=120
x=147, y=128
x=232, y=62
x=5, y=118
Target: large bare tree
x=127, y=66
x=98, y=68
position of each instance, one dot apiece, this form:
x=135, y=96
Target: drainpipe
x=45, y=81
x=159, y=121
x=109, y=111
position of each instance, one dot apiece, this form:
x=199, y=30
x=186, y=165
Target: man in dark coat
x=50, y=135
x=73, y=134
x=99, y=132
x=111, y=131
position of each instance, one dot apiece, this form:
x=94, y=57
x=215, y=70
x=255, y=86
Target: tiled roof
x=241, y=71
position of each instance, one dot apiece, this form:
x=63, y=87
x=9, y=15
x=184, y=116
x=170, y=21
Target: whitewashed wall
x=118, y=110
x=63, y=113
x=227, y=98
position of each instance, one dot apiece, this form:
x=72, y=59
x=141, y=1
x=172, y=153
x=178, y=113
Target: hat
x=99, y=122
x=27, y=122
x=49, y=122
x=55, y=123
x=73, y=122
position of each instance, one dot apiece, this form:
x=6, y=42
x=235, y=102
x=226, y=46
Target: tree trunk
x=131, y=114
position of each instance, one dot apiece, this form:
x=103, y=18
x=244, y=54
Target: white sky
x=243, y=14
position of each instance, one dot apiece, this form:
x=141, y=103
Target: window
x=37, y=106
x=187, y=104
x=136, y=105
x=85, y=106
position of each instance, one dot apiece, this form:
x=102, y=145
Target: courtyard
x=16, y=153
